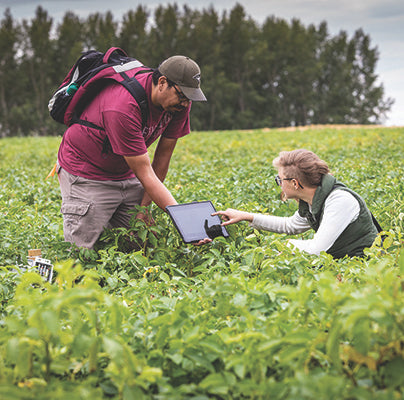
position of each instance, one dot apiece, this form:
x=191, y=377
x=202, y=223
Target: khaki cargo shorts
x=89, y=206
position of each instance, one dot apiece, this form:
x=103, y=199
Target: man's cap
x=186, y=74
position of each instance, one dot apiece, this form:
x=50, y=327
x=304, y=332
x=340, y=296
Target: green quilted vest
x=357, y=235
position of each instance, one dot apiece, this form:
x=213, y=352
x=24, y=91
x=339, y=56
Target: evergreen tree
x=367, y=106
x=36, y=72
x=202, y=44
x=133, y=36
x=100, y=32
x=164, y=34
x=69, y=44
x=299, y=74
x=277, y=74
x=8, y=73
x=273, y=64
x=334, y=90
x=238, y=38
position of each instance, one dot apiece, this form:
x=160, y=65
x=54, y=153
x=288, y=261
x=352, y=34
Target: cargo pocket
x=79, y=208
x=74, y=218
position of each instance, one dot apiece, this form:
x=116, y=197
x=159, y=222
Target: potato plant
x=242, y=318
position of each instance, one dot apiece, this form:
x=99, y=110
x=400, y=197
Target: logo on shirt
x=150, y=134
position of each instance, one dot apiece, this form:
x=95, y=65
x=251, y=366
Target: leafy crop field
x=241, y=318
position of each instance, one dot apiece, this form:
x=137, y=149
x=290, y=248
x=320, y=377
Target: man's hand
x=146, y=217
x=203, y=241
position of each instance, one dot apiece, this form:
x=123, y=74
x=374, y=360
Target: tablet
x=194, y=221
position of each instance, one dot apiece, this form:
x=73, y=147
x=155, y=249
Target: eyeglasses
x=181, y=96
x=279, y=180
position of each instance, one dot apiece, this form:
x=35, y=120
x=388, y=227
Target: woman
x=339, y=216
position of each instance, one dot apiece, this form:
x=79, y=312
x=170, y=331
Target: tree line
x=273, y=74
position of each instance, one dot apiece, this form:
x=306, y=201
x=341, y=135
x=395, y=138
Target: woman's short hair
x=303, y=165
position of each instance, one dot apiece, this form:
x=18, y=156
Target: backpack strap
x=107, y=55
x=138, y=93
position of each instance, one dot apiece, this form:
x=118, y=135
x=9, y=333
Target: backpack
x=91, y=72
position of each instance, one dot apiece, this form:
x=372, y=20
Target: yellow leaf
x=351, y=354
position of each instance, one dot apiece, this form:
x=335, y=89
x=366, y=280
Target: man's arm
x=161, y=162
x=156, y=190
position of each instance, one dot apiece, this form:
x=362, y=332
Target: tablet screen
x=189, y=219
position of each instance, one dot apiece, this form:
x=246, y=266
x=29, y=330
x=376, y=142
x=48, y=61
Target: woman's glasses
x=279, y=180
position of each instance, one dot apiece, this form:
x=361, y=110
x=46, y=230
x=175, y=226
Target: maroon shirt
x=115, y=110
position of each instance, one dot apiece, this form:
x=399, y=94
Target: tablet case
x=194, y=221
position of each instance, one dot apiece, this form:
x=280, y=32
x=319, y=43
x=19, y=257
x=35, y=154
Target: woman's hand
x=231, y=216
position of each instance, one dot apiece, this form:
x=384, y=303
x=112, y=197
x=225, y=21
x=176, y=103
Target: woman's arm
x=289, y=225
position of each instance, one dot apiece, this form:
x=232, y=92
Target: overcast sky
x=382, y=20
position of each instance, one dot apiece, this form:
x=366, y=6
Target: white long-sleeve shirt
x=340, y=209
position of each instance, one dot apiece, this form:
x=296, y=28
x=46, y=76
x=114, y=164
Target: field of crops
x=242, y=318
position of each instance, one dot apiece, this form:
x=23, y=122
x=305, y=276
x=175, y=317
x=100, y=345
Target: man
x=339, y=216
x=99, y=187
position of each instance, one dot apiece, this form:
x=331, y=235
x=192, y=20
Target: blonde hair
x=303, y=165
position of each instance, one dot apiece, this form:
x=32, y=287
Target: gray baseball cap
x=186, y=74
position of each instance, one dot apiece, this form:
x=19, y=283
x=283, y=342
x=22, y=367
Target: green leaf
x=164, y=277
x=176, y=358
x=150, y=374
x=152, y=239
x=114, y=349
x=240, y=300
x=140, y=259
x=361, y=336
x=218, y=383
x=199, y=359
x=109, y=388
x=401, y=263
x=142, y=234
x=51, y=320
x=393, y=372
x=333, y=343
x=388, y=241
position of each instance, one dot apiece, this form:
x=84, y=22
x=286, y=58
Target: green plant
x=145, y=316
